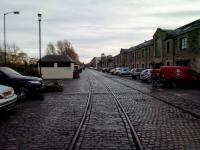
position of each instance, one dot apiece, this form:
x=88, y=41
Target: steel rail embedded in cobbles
x=133, y=132
x=123, y=112
x=173, y=105
x=76, y=135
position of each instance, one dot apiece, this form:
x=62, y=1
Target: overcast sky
x=92, y=26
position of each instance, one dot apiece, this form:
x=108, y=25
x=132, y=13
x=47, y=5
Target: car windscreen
x=11, y=73
x=125, y=69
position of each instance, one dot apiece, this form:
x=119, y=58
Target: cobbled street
x=161, y=119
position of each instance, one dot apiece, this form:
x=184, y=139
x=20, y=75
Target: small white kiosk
x=56, y=67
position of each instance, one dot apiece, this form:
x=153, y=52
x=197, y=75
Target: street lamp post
x=39, y=20
x=4, y=20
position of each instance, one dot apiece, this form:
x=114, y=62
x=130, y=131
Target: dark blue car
x=22, y=85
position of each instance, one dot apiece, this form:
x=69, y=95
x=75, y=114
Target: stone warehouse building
x=106, y=61
x=180, y=47
x=94, y=62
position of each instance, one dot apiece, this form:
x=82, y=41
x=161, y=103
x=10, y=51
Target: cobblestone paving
x=51, y=123
x=158, y=125
x=45, y=124
x=104, y=127
x=188, y=104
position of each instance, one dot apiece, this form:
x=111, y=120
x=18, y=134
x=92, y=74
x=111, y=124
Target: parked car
x=145, y=75
x=109, y=69
x=106, y=70
x=7, y=98
x=135, y=73
x=112, y=70
x=176, y=75
x=117, y=71
x=124, y=71
x=22, y=85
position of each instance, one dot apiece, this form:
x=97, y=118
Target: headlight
x=34, y=82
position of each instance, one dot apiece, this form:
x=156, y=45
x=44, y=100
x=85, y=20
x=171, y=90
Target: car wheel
x=173, y=84
x=22, y=93
x=149, y=80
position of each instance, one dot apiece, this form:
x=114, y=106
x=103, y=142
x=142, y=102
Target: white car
x=8, y=98
x=145, y=75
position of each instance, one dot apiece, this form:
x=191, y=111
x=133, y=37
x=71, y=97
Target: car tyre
x=149, y=80
x=173, y=84
x=22, y=93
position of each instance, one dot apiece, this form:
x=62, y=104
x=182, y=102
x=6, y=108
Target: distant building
x=94, y=62
x=106, y=61
x=56, y=67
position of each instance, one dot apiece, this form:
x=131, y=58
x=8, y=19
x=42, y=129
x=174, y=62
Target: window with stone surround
x=168, y=47
x=183, y=43
x=142, y=65
x=149, y=51
x=142, y=52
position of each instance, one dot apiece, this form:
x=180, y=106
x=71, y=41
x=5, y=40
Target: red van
x=174, y=75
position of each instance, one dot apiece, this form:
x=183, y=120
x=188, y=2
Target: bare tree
x=24, y=57
x=63, y=48
x=66, y=48
x=50, y=50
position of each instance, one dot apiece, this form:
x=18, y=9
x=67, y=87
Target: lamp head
x=16, y=12
x=39, y=17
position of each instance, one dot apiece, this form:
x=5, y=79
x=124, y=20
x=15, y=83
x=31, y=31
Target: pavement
x=160, y=117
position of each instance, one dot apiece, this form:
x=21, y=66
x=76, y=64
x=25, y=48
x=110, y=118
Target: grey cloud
x=178, y=14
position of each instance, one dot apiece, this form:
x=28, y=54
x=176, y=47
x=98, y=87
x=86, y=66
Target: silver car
x=117, y=71
x=135, y=73
x=112, y=70
x=124, y=71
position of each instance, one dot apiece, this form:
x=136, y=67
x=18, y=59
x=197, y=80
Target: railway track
x=173, y=105
x=123, y=112
x=128, y=125
x=86, y=111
